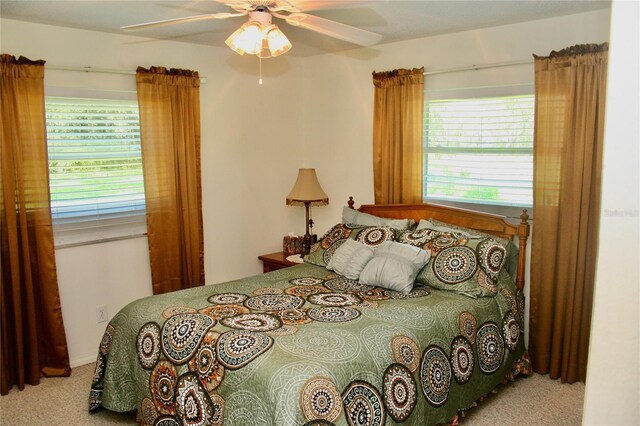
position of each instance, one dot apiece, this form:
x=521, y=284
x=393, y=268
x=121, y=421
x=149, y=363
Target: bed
x=307, y=346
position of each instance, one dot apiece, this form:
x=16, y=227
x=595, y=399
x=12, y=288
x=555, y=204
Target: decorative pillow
x=350, y=259
x=358, y=218
x=463, y=260
x=431, y=240
x=394, y=266
x=512, y=249
x=371, y=236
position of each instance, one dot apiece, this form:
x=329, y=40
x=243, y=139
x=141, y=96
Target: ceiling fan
x=260, y=37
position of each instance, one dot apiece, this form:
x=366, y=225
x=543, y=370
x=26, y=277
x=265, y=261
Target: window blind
x=95, y=163
x=479, y=150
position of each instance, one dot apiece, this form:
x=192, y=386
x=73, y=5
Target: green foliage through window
x=479, y=150
x=95, y=163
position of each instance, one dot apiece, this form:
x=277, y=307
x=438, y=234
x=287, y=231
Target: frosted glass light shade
x=276, y=40
x=246, y=39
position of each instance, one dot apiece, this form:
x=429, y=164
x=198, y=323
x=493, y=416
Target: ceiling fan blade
x=332, y=29
x=238, y=5
x=195, y=18
x=309, y=5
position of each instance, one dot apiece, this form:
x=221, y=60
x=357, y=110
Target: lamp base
x=307, y=243
x=308, y=224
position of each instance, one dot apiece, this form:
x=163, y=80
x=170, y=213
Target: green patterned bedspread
x=303, y=345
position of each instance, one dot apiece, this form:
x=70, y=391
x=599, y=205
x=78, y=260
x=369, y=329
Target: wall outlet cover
x=102, y=315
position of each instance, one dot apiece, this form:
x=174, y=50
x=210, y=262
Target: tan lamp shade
x=307, y=190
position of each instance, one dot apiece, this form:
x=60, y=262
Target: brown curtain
x=570, y=89
x=397, y=136
x=169, y=103
x=33, y=342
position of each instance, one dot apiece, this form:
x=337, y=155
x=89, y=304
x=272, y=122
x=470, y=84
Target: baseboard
x=82, y=361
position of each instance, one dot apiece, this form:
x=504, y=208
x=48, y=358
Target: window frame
x=78, y=230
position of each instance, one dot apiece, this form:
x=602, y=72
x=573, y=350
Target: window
x=95, y=164
x=479, y=150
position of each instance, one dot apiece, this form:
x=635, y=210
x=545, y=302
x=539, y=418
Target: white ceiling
x=395, y=20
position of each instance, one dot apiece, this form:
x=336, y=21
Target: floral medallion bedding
x=305, y=346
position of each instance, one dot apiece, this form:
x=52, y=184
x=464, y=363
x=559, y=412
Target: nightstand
x=274, y=261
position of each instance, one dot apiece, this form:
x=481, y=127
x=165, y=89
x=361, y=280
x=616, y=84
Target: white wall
x=251, y=149
x=113, y=274
x=612, y=393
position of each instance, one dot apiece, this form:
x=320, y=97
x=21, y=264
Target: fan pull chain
x=260, y=79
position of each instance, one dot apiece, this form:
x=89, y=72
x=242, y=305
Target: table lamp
x=307, y=192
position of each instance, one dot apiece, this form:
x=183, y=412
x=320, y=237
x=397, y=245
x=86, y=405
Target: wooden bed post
x=523, y=234
x=350, y=203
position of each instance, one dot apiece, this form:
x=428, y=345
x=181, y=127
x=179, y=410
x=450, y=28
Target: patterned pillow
x=372, y=236
x=512, y=249
x=464, y=261
x=432, y=239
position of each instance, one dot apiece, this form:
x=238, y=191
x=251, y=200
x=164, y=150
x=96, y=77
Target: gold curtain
x=169, y=103
x=570, y=90
x=397, y=136
x=33, y=342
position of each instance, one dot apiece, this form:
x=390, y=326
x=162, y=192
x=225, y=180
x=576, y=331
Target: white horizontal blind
x=95, y=163
x=479, y=150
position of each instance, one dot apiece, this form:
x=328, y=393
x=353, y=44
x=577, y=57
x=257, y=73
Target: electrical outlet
x=102, y=314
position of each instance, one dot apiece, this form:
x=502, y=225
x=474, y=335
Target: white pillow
x=394, y=266
x=350, y=258
x=358, y=218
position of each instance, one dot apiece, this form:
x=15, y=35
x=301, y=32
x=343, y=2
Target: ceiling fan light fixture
x=259, y=37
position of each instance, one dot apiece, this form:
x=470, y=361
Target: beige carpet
x=63, y=401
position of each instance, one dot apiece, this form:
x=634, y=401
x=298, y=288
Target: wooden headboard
x=485, y=222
